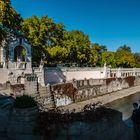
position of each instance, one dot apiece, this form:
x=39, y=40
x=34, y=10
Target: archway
x=19, y=53
x=19, y=80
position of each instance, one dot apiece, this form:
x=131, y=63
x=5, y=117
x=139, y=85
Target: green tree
x=108, y=57
x=137, y=59
x=56, y=54
x=124, y=58
x=42, y=33
x=93, y=56
x=96, y=53
x=125, y=48
x=9, y=20
x=78, y=47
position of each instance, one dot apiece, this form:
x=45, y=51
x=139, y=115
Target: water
x=124, y=105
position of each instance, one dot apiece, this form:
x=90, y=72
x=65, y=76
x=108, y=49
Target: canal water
x=124, y=105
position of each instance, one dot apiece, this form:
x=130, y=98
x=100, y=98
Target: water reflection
x=124, y=105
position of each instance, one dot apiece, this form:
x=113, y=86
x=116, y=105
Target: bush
x=24, y=101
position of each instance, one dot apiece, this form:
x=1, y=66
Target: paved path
x=4, y=92
x=104, y=98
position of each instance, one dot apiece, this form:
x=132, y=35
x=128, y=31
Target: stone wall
x=79, y=90
x=58, y=75
x=3, y=75
x=67, y=74
x=5, y=86
x=91, y=122
x=106, y=129
x=21, y=124
x=18, y=124
x=31, y=84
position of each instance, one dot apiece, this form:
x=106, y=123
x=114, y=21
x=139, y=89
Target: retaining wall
x=79, y=90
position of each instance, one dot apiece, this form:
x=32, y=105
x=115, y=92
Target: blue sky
x=107, y=22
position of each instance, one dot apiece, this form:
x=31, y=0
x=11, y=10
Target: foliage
x=124, y=58
x=96, y=54
x=109, y=58
x=24, y=101
x=130, y=80
x=53, y=44
x=56, y=54
x=23, y=52
x=77, y=45
x=125, y=48
x=9, y=19
x=137, y=59
x=42, y=33
x=67, y=89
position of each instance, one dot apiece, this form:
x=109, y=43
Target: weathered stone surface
x=112, y=129
x=18, y=124
x=67, y=93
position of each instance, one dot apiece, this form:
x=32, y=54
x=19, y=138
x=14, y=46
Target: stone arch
x=19, y=79
x=20, y=53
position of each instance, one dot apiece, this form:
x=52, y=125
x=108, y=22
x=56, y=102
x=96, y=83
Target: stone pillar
x=104, y=71
x=118, y=73
x=1, y=54
x=134, y=72
x=42, y=78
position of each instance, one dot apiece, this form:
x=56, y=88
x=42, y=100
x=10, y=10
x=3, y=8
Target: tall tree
x=42, y=33
x=124, y=58
x=108, y=57
x=96, y=53
x=78, y=46
x=137, y=59
x=125, y=48
x=56, y=55
x=9, y=20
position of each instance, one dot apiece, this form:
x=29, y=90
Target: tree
x=108, y=57
x=125, y=48
x=9, y=20
x=56, y=55
x=124, y=58
x=42, y=33
x=93, y=56
x=96, y=53
x=137, y=59
x=78, y=47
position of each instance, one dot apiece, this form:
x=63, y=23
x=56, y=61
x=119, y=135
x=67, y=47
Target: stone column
x=1, y=55
x=118, y=73
x=104, y=71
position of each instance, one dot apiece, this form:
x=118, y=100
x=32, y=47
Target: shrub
x=24, y=101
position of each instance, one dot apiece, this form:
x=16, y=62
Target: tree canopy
x=108, y=57
x=42, y=33
x=77, y=45
x=9, y=19
x=124, y=57
x=53, y=44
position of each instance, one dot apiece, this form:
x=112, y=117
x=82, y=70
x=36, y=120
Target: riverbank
x=104, y=99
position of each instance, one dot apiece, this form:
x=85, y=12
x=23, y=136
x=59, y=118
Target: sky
x=108, y=22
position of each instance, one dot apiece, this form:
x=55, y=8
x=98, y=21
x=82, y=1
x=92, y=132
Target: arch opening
x=20, y=54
